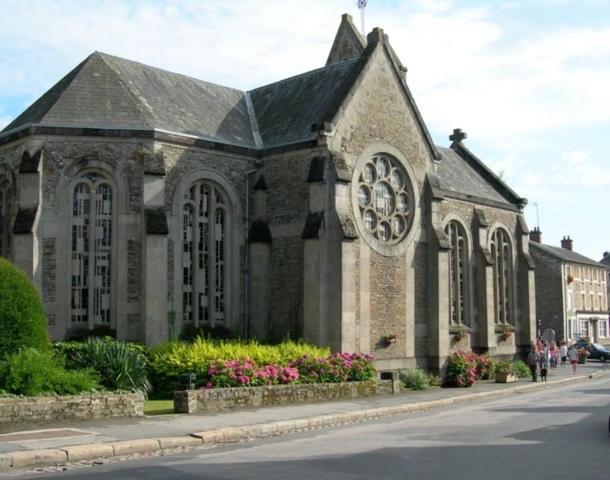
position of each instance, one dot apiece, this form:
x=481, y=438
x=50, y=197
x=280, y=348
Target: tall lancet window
x=501, y=251
x=458, y=273
x=92, y=251
x=204, y=251
x=4, y=217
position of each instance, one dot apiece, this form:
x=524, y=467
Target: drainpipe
x=247, y=176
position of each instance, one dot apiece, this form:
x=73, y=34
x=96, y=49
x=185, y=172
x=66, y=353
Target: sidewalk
x=52, y=443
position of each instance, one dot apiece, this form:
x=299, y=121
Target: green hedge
x=35, y=372
x=23, y=323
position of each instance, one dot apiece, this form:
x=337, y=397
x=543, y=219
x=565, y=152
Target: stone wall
x=73, y=407
x=209, y=400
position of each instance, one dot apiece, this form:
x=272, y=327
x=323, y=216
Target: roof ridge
x=309, y=72
x=563, y=253
x=152, y=67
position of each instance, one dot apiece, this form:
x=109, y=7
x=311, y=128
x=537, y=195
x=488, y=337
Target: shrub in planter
x=461, y=370
x=119, y=366
x=414, y=379
x=486, y=366
x=35, y=372
x=521, y=369
x=23, y=323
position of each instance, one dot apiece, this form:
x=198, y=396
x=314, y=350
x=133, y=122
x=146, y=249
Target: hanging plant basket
x=570, y=278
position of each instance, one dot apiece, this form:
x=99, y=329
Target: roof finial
x=458, y=135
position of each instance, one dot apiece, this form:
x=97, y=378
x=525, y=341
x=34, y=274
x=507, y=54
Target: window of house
x=92, y=250
x=501, y=251
x=204, y=254
x=458, y=273
x=603, y=327
x=584, y=327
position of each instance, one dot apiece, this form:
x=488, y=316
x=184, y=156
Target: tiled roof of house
x=564, y=254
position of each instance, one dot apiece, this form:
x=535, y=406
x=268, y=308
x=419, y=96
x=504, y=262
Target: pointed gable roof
x=349, y=42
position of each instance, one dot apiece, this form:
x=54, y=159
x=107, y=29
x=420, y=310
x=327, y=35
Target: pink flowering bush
x=339, y=367
x=245, y=373
x=461, y=369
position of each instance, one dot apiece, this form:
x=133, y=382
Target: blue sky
x=528, y=81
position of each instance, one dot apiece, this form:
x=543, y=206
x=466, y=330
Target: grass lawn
x=158, y=407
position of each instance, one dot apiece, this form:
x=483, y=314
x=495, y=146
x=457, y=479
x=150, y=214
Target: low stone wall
x=210, y=400
x=99, y=405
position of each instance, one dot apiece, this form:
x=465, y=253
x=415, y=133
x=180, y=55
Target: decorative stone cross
x=458, y=135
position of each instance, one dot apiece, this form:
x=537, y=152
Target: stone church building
x=315, y=207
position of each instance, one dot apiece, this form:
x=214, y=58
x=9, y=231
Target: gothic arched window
x=458, y=273
x=501, y=251
x=204, y=251
x=4, y=217
x=92, y=250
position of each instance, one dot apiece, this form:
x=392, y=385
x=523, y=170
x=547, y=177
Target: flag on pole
x=362, y=3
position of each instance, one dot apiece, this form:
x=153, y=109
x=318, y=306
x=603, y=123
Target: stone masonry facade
x=316, y=207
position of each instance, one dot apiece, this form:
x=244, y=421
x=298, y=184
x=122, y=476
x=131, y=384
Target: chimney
x=566, y=242
x=536, y=235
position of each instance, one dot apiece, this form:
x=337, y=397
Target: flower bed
x=243, y=383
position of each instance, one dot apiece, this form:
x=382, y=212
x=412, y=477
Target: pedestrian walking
x=544, y=360
x=563, y=354
x=573, y=357
x=554, y=355
x=532, y=362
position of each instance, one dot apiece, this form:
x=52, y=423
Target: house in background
x=606, y=261
x=571, y=291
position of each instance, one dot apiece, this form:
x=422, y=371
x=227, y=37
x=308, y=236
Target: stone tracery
x=384, y=200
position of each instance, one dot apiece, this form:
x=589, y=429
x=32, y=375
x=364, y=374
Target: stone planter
x=502, y=377
x=15, y=409
x=214, y=399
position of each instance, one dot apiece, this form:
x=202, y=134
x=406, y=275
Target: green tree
x=23, y=323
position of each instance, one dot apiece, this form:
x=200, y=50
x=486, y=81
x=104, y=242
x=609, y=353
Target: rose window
x=384, y=199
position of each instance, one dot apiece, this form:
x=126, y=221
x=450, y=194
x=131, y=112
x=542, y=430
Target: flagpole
x=362, y=6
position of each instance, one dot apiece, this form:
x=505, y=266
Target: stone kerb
x=209, y=400
x=50, y=408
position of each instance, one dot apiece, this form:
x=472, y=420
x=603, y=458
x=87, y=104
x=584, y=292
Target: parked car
x=596, y=350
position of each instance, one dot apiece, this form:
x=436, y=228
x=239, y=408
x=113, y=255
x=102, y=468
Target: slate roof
x=110, y=92
x=459, y=174
x=286, y=110
x=107, y=92
x=564, y=254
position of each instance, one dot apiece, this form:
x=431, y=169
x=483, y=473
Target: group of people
x=544, y=356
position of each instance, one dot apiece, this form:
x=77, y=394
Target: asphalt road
x=561, y=433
